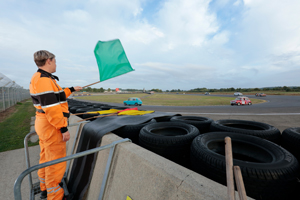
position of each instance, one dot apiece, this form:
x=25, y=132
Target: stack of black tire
x=267, y=158
x=269, y=171
x=76, y=107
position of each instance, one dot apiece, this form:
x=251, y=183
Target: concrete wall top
x=143, y=175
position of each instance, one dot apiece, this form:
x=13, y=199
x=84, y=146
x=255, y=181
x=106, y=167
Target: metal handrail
x=27, y=159
x=27, y=153
x=18, y=182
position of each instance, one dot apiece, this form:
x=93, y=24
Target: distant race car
x=237, y=94
x=207, y=93
x=133, y=101
x=241, y=101
x=260, y=95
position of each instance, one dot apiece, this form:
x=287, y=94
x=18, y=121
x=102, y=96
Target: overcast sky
x=171, y=44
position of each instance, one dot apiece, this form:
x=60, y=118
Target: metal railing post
x=4, y=94
x=3, y=98
x=27, y=152
x=18, y=182
x=106, y=173
x=13, y=96
x=27, y=159
x=8, y=97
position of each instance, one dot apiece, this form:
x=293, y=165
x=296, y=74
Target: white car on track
x=238, y=94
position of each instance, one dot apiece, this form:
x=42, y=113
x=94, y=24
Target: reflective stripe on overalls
x=53, y=189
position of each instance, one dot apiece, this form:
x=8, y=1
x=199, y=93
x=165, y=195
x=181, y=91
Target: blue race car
x=133, y=101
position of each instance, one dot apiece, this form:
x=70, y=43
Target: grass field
x=253, y=93
x=15, y=126
x=167, y=99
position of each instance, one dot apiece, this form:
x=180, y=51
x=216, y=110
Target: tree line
x=232, y=89
x=89, y=89
x=284, y=88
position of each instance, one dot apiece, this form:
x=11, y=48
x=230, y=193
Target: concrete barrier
x=143, y=175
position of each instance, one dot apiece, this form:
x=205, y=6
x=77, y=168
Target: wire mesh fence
x=11, y=93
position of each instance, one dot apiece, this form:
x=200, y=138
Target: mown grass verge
x=14, y=127
x=168, y=99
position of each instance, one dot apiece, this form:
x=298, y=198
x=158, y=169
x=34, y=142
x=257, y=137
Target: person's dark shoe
x=43, y=194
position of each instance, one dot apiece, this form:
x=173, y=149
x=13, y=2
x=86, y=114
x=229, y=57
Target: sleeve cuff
x=72, y=89
x=63, y=130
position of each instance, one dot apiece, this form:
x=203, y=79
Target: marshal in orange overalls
x=51, y=121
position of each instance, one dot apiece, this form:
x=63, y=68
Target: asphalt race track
x=279, y=110
x=275, y=104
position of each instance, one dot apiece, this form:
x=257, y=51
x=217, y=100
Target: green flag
x=111, y=59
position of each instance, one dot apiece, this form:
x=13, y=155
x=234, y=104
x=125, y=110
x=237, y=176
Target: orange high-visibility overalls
x=51, y=121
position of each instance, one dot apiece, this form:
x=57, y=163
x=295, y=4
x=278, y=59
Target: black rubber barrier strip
x=91, y=137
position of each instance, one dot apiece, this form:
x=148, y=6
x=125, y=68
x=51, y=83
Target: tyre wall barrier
x=201, y=123
x=254, y=128
x=144, y=175
x=291, y=141
x=269, y=171
x=257, y=129
x=171, y=140
x=132, y=131
x=251, y=128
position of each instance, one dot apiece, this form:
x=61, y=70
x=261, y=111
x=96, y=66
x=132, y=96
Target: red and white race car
x=260, y=95
x=241, y=101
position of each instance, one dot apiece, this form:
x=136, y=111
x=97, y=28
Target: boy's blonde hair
x=40, y=57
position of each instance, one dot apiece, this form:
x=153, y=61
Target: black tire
x=132, y=131
x=119, y=108
x=238, y=104
x=201, y=123
x=85, y=116
x=163, y=119
x=257, y=129
x=291, y=141
x=83, y=110
x=97, y=105
x=106, y=107
x=74, y=108
x=268, y=170
x=249, y=103
x=135, y=104
x=125, y=104
x=171, y=140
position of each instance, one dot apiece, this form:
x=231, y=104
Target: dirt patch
x=7, y=113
